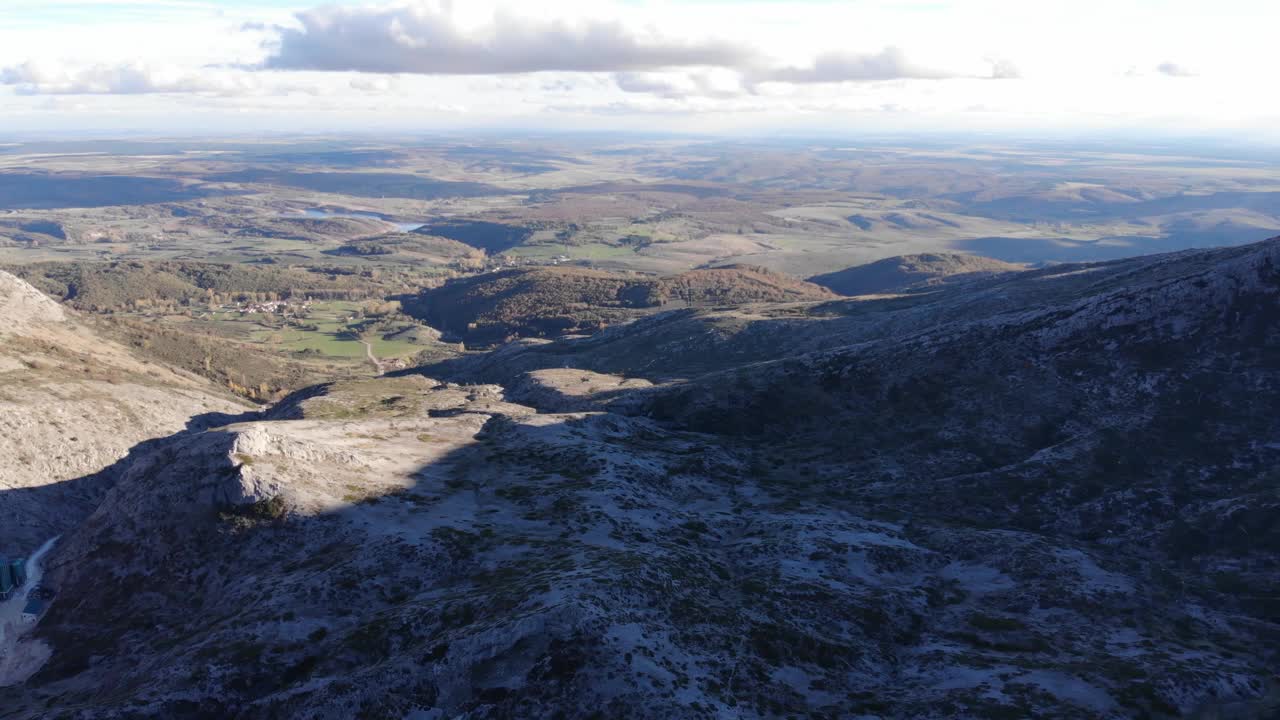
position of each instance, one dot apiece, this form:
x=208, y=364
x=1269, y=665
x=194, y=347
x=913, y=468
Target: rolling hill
x=549, y=301
x=911, y=272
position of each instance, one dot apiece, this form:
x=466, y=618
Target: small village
x=270, y=307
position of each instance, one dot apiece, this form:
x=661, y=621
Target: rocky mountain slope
x=550, y=301
x=1052, y=494
x=912, y=272
x=72, y=404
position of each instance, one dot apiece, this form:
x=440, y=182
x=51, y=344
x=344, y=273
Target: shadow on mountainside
x=598, y=563
x=35, y=514
x=1059, y=250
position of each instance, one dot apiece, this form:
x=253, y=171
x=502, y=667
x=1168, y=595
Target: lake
x=320, y=214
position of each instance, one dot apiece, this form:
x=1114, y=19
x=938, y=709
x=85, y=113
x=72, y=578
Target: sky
x=1163, y=67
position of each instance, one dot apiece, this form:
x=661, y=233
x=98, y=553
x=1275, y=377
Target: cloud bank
x=425, y=38
x=33, y=78
x=378, y=44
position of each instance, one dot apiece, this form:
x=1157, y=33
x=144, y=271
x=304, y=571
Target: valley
x=628, y=428
x=169, y=241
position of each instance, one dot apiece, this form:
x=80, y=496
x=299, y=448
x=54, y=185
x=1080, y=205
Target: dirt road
x=368, y=350
x=18, y=660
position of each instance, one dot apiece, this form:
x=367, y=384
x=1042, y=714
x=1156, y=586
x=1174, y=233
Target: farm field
x=325, y=331
x=332, y=329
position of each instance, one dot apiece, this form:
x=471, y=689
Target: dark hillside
x=905, y=272
x=541, y=302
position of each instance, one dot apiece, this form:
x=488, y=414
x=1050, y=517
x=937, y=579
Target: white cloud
x=891, y=63
x=709, y=84
x=1004, y=69
x=36, y=78
x=1174, y=70
x=1167, y=69
x=373, y=83
x=136, y=78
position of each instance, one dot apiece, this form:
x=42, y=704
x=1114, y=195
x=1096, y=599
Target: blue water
x=314, y=213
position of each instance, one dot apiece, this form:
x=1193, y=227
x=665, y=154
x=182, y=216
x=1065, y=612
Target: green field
x=334, y=335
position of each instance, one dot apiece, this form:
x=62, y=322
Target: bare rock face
x=1047, y=497
x=22, y=305
x=567, y=390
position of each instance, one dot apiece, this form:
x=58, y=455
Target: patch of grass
x=358, y=495
x=270, y=510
